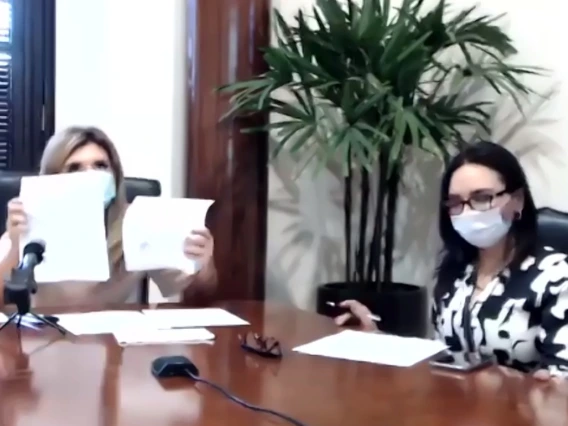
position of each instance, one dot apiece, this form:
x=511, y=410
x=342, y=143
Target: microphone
x=181, y=366
x=22, y=284
x=32, y=256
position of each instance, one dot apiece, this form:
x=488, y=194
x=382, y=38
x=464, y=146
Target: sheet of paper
x=186, y=318
x=155, y=229
x=376, y=348
x=145, y=337
x=3, y=318
x=104, y=322
x=66, y=213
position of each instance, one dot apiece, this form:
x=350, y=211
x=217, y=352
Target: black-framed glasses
x=267, y=347
x=478, y=201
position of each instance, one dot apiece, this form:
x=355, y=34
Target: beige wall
x=305, y=216
x=125, y=74
x=98, y=80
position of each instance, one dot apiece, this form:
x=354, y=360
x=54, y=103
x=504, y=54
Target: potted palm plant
x=362, y=84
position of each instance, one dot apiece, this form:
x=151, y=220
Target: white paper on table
x=103, y=322
x=375, y=348
x=187, y=318
x=142, y=337
x=155, y=229
x=66, y=213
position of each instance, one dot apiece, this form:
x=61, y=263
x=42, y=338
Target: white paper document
x=127, y=337
x=375, y=348
x=104, y=322
x=187, y=318
x=66, y=213
x=155, y=230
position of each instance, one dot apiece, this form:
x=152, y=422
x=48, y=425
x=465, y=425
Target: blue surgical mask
x=107, y=184
x=110, y=191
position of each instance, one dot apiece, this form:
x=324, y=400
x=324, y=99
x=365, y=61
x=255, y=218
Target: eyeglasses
x=480, y=201
x=266, y=347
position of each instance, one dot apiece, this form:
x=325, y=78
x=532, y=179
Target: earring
x=518, y=215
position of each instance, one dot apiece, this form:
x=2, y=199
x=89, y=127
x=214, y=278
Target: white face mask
x=481, y=229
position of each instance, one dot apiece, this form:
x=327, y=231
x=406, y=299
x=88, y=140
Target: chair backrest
x=10, y=188
x=553, y=229
x=140, y=186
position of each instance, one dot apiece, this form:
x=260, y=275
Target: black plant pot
x=403, y=308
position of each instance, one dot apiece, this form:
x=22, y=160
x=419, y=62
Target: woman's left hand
x=545, y=376
x=542, y=375
x=199, y=246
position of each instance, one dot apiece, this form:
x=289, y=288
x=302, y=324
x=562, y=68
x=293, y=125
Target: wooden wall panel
x=223, y=42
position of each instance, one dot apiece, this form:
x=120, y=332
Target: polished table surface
x=84, y=381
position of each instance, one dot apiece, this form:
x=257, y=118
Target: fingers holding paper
x=199, y=246
x=16, y=222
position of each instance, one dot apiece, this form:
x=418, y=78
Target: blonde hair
x=61, y=146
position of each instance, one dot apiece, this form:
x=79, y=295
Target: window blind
x=27, y=78
x=6, y=125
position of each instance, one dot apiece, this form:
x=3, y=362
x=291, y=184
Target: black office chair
x=10, y=188
x=553, y=228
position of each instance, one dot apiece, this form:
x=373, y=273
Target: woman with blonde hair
x=79, y=149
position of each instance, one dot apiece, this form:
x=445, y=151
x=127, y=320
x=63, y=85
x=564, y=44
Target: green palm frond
x=385, y=73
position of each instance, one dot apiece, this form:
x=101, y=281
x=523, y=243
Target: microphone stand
x=18, y=289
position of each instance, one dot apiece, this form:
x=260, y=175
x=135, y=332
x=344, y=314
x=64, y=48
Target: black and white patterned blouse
x=521, y=317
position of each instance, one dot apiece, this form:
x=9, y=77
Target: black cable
x=243, y=403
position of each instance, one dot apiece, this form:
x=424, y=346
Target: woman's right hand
x=359, y=311
x=16, y=221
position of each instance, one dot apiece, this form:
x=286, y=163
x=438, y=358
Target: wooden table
x=91, y=381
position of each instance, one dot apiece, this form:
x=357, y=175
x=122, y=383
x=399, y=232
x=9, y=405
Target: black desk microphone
x=21, y=284
x=180, y=366
x=174, y=366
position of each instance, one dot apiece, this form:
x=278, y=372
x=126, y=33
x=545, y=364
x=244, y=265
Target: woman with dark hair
x=512, y=290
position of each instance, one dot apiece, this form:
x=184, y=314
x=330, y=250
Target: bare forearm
x=6, y=265
x=203, y=285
